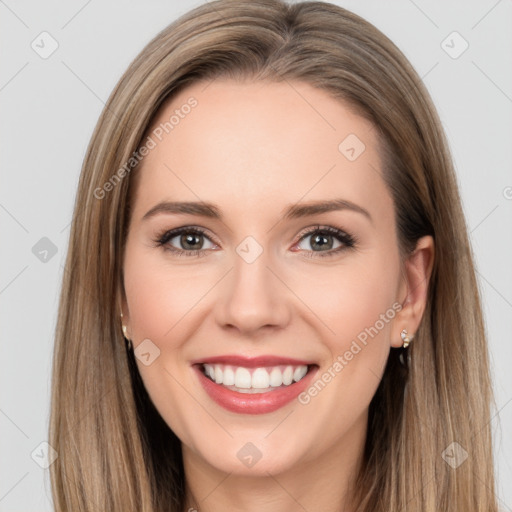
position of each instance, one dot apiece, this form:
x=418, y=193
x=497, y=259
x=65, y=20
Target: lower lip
x=253, y=403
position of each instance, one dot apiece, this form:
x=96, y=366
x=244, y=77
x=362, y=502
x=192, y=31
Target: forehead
x=252, y=144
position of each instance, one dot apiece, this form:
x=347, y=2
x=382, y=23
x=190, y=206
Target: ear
x=413, y=289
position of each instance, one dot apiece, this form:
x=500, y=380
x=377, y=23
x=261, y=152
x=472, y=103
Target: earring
x=406, y=338
x=127, y=340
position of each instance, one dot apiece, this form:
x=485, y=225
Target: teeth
x=253, y=380
x=288, y=376
x=242, y=377
x=299, y=372
x=260, y=378
x=228, y=378
x=276, y=377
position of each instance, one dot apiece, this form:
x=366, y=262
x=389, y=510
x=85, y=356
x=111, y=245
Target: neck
x=324, y=482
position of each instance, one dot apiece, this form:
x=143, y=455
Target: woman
x=271, y=302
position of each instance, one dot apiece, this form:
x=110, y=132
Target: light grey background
x=49, y=108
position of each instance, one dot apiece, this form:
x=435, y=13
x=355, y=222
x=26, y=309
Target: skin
x=253, y=148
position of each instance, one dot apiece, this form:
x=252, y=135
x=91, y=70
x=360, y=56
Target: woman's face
x=265, y=272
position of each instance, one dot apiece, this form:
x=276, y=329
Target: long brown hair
x=115, y=452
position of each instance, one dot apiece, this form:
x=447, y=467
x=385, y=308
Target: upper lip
x=252, y=362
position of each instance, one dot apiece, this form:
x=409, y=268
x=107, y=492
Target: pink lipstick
x=255, y=385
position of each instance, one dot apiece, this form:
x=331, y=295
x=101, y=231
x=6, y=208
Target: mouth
x=253, y=389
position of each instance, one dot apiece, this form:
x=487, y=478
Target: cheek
x=355, y=305
x=360, y=306
x=161, y=301
x=159, y=294
x=352, y=298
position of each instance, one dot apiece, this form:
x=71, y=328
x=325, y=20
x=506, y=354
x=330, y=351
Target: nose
x=252, y=298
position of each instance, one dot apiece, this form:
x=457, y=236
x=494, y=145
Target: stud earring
x=406, y=338
x=127, y=340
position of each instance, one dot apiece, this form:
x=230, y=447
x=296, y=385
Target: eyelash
x=347, y=240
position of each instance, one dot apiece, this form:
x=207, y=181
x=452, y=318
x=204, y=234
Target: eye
x=185, y=241
x=325, y=241
x=190, y=241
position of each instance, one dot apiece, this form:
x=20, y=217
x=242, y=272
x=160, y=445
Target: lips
x=264, y=397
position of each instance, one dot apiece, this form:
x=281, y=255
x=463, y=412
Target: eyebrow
x=293, y=211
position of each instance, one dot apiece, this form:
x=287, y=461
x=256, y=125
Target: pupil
x=322, y=241
x=190, y=240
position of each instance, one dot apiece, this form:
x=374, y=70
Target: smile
x=255, y=387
